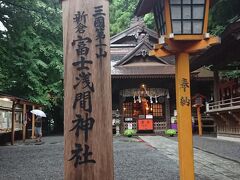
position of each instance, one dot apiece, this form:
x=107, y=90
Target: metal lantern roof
x=146, y=6
x=178, y=19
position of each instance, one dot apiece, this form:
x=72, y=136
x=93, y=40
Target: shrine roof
x=146, y=71
x=18, y=99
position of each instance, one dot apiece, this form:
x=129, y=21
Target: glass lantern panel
x=177, y=26
x=197, y=27
x=159, y=17
x=198, y=12
x=175, y=1
x=187, y=12
x=198, y=1
x=187, y=27
x=186, y=1
x=176, y=12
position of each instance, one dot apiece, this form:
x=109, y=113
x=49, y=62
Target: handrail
x=224, y=104
x=224, y=100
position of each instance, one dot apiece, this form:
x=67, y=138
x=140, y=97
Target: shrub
x=129, y=132
x=171, y=132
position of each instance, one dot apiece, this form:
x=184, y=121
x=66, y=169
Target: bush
x=171, y=132
x=129, y=132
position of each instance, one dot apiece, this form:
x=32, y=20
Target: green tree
x=31, y=51
x=121, y=13
x=223, y=13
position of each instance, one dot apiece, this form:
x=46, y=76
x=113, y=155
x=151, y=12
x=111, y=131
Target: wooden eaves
x=19, y=100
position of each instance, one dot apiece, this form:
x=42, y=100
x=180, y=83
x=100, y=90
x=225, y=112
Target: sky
x=2, y=27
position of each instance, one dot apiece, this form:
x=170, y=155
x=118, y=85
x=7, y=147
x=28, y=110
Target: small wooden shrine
x=143, y=87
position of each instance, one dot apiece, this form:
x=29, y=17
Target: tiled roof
x=116, y=57
x=132, y=60
x=164, y=70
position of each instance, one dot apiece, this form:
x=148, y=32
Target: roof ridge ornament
x=142, y=35
x=136, y=21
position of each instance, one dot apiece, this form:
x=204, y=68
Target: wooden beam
x=13, y=123
x=188, y=37
x=33, y=124
x=88, y=148
x=199, y=121
x=205, y=26
x=172, y=46
x=191, y=46
x=24, y=123
x=19, y=100
x=168, y=17
x=159, y=53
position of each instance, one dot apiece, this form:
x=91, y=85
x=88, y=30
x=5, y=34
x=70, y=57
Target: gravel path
x=134, y=159
x=32, y=162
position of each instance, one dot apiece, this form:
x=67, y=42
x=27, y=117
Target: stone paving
x=227, y=149
x=207, y=164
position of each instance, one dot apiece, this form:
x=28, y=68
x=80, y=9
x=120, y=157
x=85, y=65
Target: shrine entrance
x=145, y=109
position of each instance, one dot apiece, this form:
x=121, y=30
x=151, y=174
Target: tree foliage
x=121, y=13
x=223, y=13
x=31, y=51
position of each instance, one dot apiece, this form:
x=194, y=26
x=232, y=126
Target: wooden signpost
x=88, y=151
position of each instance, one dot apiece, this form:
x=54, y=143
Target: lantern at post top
x=182, y=19
x=198, y=100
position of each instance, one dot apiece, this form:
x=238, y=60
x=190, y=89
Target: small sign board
x=128, y=119
x=173, y=119
x=141, y=116
x=175, y=112
x=145, y=124
x=149, y=116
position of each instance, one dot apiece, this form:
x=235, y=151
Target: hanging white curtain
x=151, y=92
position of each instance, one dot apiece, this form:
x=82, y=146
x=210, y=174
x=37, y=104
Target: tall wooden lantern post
x=198, y=103
x=88, y=147
x=182, y=27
